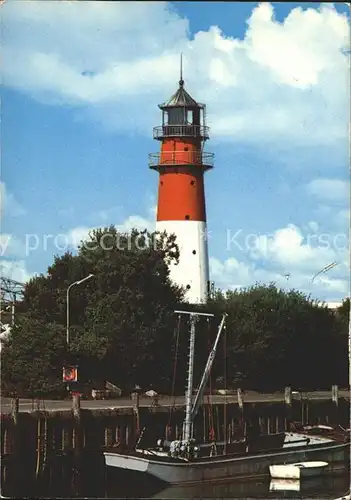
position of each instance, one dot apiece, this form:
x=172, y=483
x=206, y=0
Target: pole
x=349, y=346
x=67, y=314
x=349, y=340
x=67, y=305
x=188, y=422
x=13, y=314
x=207, y=371
x=187, y=432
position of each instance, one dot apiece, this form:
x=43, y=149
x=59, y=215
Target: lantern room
x=182, y=116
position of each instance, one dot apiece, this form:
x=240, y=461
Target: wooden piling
x=335, y=394
x=77, y=445
x=127, y=435
x=307, y=415
x=14, y=410
x=16, y=452
x=287, y=396
x=76, y=406
x=136, y=413
x=240, y=399
x=288, y=406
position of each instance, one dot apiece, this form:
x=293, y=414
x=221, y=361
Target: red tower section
x=181, y=162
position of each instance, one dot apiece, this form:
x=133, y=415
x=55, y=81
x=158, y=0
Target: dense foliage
x=277, y=338
x=123, y=327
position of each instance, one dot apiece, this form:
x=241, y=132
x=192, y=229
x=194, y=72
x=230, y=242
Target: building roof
x=333, y=305
x=180, y=98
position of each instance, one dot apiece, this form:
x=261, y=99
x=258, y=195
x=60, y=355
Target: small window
x=192, y=183
x=189, y=117
x=188, y=287
x=186, y=148
x=161, y=182
x=194, y=252
x=187, y=217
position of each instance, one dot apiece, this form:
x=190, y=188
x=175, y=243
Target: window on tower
x=177, y=116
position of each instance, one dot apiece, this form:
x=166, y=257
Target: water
x=87, y=477
x=125, y=485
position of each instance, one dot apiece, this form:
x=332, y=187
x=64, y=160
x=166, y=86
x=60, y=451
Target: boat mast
x=207, y=371
x=188, y=422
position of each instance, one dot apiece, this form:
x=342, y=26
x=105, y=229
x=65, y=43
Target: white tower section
x=192, y=271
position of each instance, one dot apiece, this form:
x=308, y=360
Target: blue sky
x=81, y=88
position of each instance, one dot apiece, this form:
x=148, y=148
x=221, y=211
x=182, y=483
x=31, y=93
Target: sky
x=81, y=86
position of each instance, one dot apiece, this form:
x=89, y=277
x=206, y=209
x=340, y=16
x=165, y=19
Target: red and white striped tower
x=181, y=197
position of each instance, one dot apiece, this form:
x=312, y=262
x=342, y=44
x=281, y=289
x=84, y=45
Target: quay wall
x=43, y=450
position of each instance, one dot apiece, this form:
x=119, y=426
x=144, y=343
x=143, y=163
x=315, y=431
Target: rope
x=174, y=371
x=209, y=397
x=42, y=444
x=37, y=469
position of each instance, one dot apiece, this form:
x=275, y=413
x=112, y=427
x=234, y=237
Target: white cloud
x=76, y=235
x=290, y=257
x=313, y=226
x=335, y=285
x=283, y=82
x=330, y=189
x=289, y=246
x=15, y=270
x=232, y=274
x=9, y=206
x=136, y=222
x=13, y=248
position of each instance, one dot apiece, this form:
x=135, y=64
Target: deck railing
x=199, y=131
x=178, y=158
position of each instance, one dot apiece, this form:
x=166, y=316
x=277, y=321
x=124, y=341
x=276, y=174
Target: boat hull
x=218, y=468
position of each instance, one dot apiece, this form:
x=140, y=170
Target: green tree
x=121, y=321
x=340, y=344
x=123, y=327
x=277, y=338
x=33, y=358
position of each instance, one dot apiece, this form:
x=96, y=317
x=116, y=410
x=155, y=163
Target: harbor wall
x=43, y=451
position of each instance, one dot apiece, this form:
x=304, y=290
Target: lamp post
x=67, y=304
x=324, y=270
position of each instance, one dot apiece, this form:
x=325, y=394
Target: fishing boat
x=186, y=461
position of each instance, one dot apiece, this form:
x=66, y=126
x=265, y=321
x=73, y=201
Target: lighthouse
x=181, y=209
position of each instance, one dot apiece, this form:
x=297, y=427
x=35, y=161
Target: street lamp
x=349, y=339
x=67, y=303
x=324, y=270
